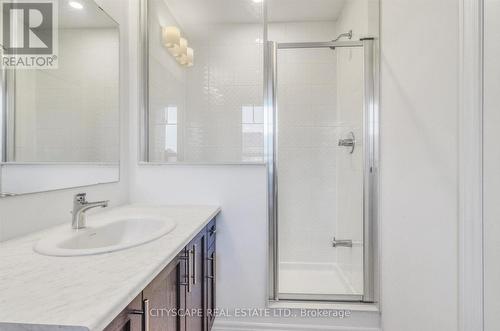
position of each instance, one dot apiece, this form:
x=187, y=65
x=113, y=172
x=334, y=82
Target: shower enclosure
x=322, y=147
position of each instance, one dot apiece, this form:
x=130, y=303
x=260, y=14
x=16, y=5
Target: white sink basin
x=104, y=237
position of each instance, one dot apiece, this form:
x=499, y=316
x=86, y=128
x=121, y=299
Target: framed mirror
x=60, y=125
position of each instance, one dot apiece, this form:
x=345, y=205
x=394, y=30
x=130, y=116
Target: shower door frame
x=370, y=172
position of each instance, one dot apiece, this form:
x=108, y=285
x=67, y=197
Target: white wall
x=491, y=166
x=419, y=110
x=29, y=213
x=26, y=178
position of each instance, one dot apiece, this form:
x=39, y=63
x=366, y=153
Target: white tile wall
x=362, y=17
x=226, y=79
x=350, y=166
x=307, y=160
x=307, y=156
x=320, y=96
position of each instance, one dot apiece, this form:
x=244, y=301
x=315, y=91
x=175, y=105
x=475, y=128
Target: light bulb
x=76, y=5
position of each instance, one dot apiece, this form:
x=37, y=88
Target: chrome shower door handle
x=341, y=243
x=349, y=142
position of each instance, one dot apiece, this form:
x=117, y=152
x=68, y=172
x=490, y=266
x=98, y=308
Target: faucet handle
x=80, y=198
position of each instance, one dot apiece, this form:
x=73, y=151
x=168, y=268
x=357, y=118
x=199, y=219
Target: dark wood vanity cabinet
x=181, y=297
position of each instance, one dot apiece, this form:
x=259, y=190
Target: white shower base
x=314, y=278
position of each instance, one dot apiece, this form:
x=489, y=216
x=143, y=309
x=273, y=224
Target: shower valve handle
x=349, y=142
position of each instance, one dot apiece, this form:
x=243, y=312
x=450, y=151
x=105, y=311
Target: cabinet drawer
x=211, y=232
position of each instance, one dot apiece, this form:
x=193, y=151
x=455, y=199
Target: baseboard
x=246, y=326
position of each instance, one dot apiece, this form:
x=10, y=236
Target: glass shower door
x=319, y=157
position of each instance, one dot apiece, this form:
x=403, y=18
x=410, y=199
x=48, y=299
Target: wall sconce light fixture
x=187, y=59
x=183, y=47
x=177, y=46
x=171, y=36
x=190, y=57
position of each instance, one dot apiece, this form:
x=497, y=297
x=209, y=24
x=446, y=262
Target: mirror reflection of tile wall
x=211, y=112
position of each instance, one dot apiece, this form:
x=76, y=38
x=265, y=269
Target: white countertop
x=85, y=293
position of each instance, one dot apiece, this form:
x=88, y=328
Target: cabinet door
x=210, y=287
x=126, y=321
x=167, y=298
x=195, y=302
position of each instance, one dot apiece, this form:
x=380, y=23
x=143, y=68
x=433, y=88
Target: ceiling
x=304, y=10
x=247, y=11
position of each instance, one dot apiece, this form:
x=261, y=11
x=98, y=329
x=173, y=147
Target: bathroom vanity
x=171, y=277
x=182, y=296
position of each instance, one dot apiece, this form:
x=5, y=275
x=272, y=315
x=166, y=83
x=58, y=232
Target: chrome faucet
x=80, y=206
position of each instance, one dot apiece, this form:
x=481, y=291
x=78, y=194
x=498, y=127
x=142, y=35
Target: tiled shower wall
x=361, y=17
x=82, y=126
x=307, y=139
x=350, y=166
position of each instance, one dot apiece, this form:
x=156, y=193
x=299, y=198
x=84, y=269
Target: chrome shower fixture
x=349, y=142
x=347, y=35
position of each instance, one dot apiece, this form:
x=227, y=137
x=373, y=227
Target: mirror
x=60, y=125
x=203, y=64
